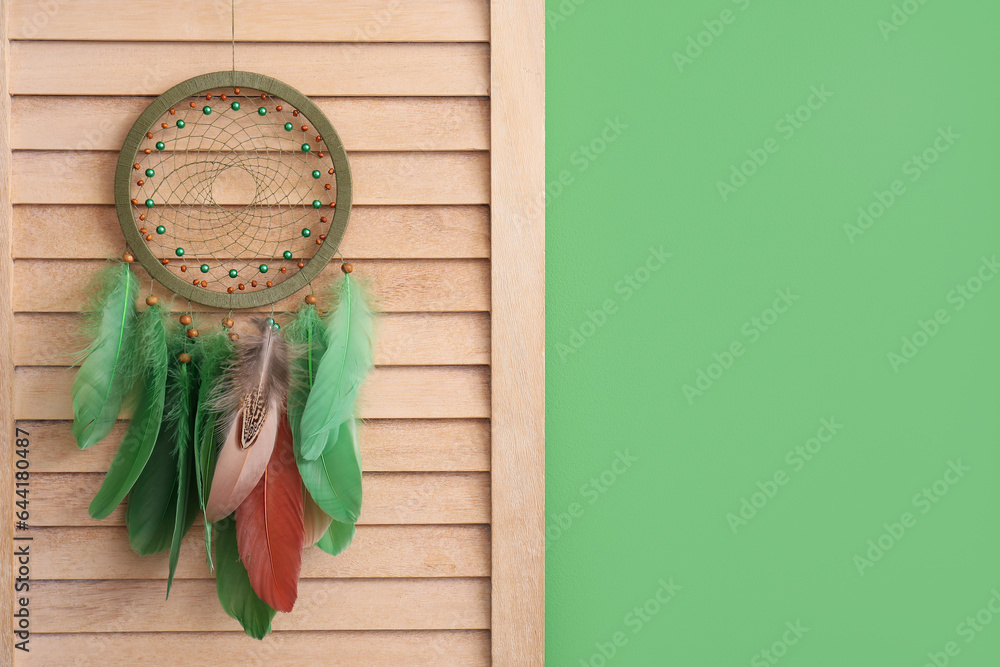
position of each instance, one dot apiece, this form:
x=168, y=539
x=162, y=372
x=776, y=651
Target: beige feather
x=317, y=522
x=239, y=468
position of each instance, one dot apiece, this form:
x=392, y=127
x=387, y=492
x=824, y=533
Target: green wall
x=772, y=319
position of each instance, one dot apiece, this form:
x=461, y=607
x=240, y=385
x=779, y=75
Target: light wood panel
x=374, y=232
x=87, y=177
x=402, y=339
x=363, y=123
x=390, y=498
x=390, y=392
x=518, y=331
x=341, y=604
x=387, y=445
x=424, y=648
x=377, y=551
x=275, y=21
x=398, y=285
x=150, y=68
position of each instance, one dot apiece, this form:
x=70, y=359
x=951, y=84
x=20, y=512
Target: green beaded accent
x=150, y=173
x=179, y=252
x=204, y=268
x=232, y=273
x=261, y=111
x=206, y=110
x=180, y=123
x=160, y=145
x=263, y=268
x=316, y=173
x=289, y=126
x=287, y=254
x=161, y=230
x=150, y=203
x=235, y=106
x=306, y=148
x=317, y=203
x=270, y=322
x=306, y=233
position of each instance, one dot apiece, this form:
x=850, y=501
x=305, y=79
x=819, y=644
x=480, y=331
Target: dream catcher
x=233, y=191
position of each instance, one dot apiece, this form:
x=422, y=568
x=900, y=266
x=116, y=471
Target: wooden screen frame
x=517, y=155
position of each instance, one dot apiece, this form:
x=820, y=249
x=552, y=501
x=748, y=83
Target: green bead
x=289, y=126
x=160, y=145
x=204, y=268
x=180, y=123
x=306, y=148
x=161, y=230
x=263, y=268
x=317, y=203
x=261, y=111
x=306, y=233
x=270, y=322
x=232, y=273
x=150, y=173
x=235, y=106
x=206, y=110
x=287, y=254
x=150, y=203
x=317, y=174
x=179, y=252
x=276, y=325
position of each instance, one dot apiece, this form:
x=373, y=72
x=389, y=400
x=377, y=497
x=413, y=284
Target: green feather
x=337, y=538
x=233, y=584
x=344, y=366
x=107, y=375
x=145, y=425
x=151, y=513
x=216, y=350
x=334, y=479
x=307, y=332
x=182, y=419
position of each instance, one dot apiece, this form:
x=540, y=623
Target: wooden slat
x=87, y=177
x=6, y=343
x=377, y=551
x=363, y=123
x=390, y=498
x=402, y=339
x=346, y=604
x=387, y=445
x=518, y=330
x=280, y=21
x=399, y=285
x=150, y=68
x=423, y=648
x=374, y=232
x=390, y=392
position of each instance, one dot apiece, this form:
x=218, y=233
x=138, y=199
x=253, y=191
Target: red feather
x=269, y=526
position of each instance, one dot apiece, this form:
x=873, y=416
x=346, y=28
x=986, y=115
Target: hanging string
x=232, y=21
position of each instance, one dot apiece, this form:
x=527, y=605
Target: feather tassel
x=334, y=479
x=232, y=583
x=107, y=374
x=269, y=527
x=316, y=521
x=181, y=418
x=142, y=432
x=251, y=403
x=346, y=362
x=337, y=538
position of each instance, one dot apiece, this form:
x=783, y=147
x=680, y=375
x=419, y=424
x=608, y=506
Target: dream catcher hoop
x=233, y=190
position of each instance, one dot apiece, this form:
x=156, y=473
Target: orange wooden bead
x=311, y=299
x=328, y=186
x=151, y=300
x=346, y=267
x=208, y=96
x=135, y=202
x=330, y=172
x=278, y=108
x=137, y=166
x=185, y=320
x=149, y=237
x=204, y=283
x=223, y=97
x=172, y=111
x=147, y=151
x=140, y=182
x=194, y=282
x=149, y=135
x=184, y=358
x=192, y=104
x=234, y=337
x=230, y=289
x=143, y=230
x=318, y=138
x=319, y=241
x=253, y=283
x=295, y=112
x=236, y=91
x=142, y=217
x=284, y=269
x=320, y=154
x=269, y=283
x=164, y=125
x=322, y=219
x=242, y=286
x=164, y=262
x=192, y=333
x=184, y=268
x=263, y=96
x=227, y=322
x=322, y=237
x=333, y=204
x=305, y=128
x=128, y=258
x=301, y=264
